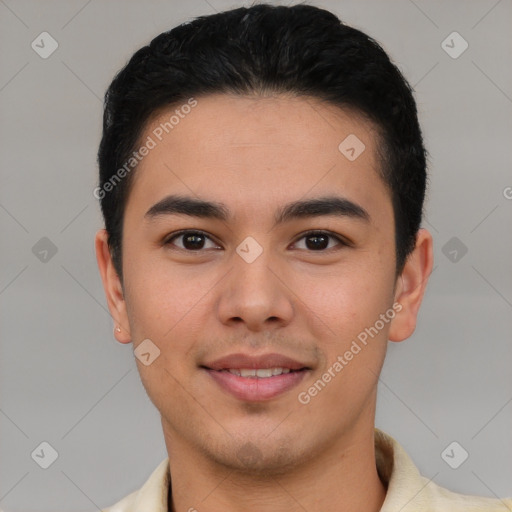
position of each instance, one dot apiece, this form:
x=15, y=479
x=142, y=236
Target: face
x=269, y=287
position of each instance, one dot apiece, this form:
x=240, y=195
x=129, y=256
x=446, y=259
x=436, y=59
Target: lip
x=253, y=362
x=255, y=389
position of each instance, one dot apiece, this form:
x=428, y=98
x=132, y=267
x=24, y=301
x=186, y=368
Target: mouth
x=256, y=378
x=260, y=373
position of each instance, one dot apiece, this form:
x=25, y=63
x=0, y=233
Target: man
x=262, y=176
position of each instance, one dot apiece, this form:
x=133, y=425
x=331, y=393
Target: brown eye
x=191, y=241
x=320, y=241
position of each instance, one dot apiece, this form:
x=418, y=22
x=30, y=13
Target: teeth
x=261, y=373
x=267, y=372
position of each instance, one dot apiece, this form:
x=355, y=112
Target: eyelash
x=342, y=242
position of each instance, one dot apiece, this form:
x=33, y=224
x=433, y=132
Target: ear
x=113, y=288
x=411, y=287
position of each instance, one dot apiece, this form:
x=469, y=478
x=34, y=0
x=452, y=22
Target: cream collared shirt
x=407, y=490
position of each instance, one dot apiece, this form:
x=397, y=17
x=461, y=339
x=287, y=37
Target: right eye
x=191, y=240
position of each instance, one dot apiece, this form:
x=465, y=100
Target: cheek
x=346, y=301
x=163, y=308
x=353, y=338
x=166, y=304
x=155, y=284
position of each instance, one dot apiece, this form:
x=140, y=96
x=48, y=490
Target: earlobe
x=121, y=336
x=112, y=287
x=411, y=287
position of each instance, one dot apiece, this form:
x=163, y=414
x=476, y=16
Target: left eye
x=319, y=240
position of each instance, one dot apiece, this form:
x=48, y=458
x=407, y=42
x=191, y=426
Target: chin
x=258, y=458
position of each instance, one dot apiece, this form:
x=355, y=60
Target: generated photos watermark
x=305, y=397
x=150, y=143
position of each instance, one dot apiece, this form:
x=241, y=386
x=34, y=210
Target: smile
x=260, y=373
x=256, y=378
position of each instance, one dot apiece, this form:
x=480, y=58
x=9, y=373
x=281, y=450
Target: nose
x=255, y=294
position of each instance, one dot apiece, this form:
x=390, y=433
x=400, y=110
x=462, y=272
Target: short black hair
x=263, y=49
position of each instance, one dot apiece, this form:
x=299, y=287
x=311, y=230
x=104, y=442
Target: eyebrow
x=328, y=205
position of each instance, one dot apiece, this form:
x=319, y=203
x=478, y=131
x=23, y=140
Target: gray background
x=66, y=381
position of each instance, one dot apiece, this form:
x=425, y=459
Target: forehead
x=254, y=149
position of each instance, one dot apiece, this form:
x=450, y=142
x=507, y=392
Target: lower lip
x=254, y=389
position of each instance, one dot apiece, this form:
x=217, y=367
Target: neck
x=342, y=478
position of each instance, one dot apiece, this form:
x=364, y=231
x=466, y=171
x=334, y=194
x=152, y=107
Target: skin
x=255, y=155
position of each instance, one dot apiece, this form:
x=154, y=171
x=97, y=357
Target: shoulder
x=151, y=496
x=408, y=490
x=123, y=505
x=437, y=498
